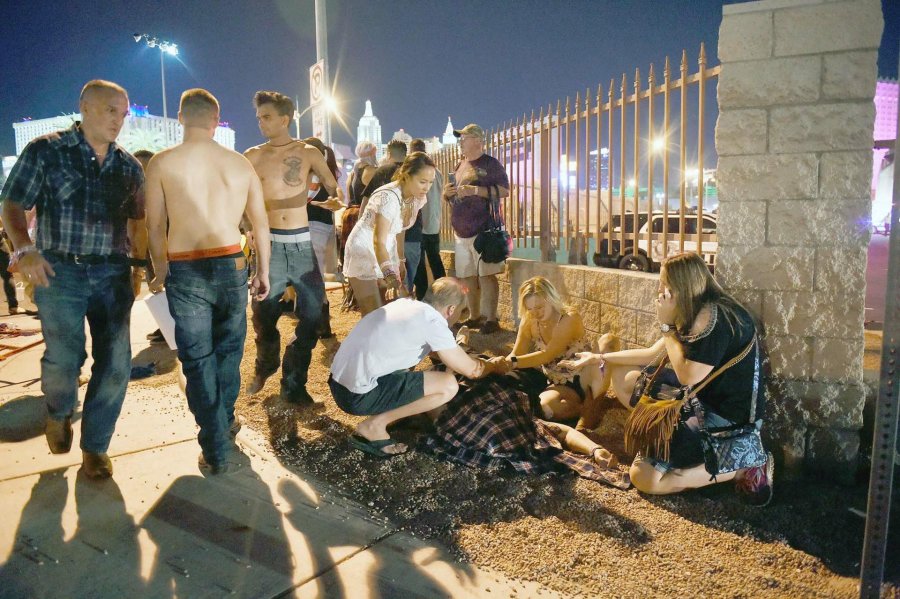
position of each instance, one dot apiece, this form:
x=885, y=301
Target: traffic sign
x=317, y=89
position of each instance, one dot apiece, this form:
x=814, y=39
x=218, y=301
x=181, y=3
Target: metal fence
x=580, y=172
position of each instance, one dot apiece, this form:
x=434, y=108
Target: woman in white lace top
x=374, y=250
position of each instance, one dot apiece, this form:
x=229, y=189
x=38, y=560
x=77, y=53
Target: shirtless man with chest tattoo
x=284, y=166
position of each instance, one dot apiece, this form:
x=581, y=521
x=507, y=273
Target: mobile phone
x=452, y=179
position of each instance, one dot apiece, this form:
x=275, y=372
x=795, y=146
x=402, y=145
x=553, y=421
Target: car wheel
x=636, y=262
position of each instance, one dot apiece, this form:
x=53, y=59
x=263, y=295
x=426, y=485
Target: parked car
x=650, y=255
x=609, y=257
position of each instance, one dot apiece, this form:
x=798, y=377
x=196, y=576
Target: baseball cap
x=470, y=129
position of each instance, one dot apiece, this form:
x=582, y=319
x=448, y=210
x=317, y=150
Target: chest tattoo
x=292, y=173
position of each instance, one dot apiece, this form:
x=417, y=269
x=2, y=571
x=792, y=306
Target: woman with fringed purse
x=696, y=395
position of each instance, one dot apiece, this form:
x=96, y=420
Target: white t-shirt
x=395, y=337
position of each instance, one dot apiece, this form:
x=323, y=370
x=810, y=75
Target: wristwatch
x=666, y=328
x=515, y=361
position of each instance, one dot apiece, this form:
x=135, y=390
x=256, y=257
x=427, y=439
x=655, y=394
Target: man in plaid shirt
x=88, y=195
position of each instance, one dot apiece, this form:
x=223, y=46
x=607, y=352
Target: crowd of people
x=695, y=397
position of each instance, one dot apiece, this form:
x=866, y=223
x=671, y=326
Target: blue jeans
x=101, y=293
x=291, y=264
x=412, y=251
x=208, y=300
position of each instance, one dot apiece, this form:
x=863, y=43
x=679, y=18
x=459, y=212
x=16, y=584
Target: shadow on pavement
x=212, y=540
x=101, y=559
x=23, y=418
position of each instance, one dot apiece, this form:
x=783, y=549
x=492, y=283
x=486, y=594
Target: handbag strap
x=494, y=207
x=663, y=362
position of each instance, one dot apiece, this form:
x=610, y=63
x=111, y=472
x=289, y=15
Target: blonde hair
x=445, y=292
x=693, y=286
x=199, y=106
x=541, y=287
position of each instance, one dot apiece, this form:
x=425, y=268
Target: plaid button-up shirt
x=82, y=207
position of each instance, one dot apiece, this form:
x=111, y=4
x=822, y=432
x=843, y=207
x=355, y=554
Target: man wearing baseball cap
x=479, y=180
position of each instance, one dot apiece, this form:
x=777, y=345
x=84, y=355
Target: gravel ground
x=579, y=537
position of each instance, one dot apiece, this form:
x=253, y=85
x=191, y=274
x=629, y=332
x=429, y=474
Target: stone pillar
x=794, y=139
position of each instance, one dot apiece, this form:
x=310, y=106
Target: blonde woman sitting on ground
x=549, y=333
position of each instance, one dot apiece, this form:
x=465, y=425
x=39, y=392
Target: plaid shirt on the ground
x=490, y=425
x=81, y=207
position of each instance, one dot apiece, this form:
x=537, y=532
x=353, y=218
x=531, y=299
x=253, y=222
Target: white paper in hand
x=159, y=308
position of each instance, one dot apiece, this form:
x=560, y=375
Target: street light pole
x=162, y=73
x=165, y=47
x=322, y=54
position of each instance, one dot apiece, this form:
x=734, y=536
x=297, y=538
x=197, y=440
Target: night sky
x=417, y=60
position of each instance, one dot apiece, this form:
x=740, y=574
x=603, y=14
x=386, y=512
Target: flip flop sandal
x=375, y=448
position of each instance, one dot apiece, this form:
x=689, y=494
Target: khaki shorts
x=467, y=260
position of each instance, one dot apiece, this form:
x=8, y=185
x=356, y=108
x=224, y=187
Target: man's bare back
x=284, y=172
x=206, y=188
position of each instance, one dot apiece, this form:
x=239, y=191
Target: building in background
x=369, y=129
x=141, y=130
x=403, y=136
x=449, y=139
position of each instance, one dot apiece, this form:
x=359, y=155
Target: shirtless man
x=284, y=166
x=201, y=190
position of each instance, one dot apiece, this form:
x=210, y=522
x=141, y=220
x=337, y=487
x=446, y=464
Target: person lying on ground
x=491, y=423
x=370, y=374
x=714, y=433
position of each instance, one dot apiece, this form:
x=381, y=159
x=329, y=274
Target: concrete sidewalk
x=158, y=528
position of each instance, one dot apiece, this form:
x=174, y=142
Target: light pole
x=165, y=47
x=322, y=54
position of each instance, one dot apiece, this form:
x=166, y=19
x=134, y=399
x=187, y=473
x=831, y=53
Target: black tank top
x=356, y=189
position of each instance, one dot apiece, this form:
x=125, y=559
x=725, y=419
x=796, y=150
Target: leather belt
x=88, y=258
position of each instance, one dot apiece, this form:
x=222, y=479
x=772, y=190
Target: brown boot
x=96, y=465
x=59, y=435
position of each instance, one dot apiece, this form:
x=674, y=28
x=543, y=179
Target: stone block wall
x=794, y=139
x=609, y=300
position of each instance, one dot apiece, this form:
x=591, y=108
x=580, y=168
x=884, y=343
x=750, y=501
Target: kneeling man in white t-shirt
x=370, y=374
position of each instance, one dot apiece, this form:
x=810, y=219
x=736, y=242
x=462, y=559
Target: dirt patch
x=576, y=536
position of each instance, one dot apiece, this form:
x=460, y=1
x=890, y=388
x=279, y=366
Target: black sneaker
x=301, y=397
x=756, y=487
x=490, y=326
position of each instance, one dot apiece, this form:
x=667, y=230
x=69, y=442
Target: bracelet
x=22, y=251
x=25, y=249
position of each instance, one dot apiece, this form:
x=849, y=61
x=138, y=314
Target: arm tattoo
x=292, y=174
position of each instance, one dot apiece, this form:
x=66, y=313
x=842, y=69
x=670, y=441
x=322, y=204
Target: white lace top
x=360, y=261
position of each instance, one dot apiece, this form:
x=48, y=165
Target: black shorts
x=392, y=391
